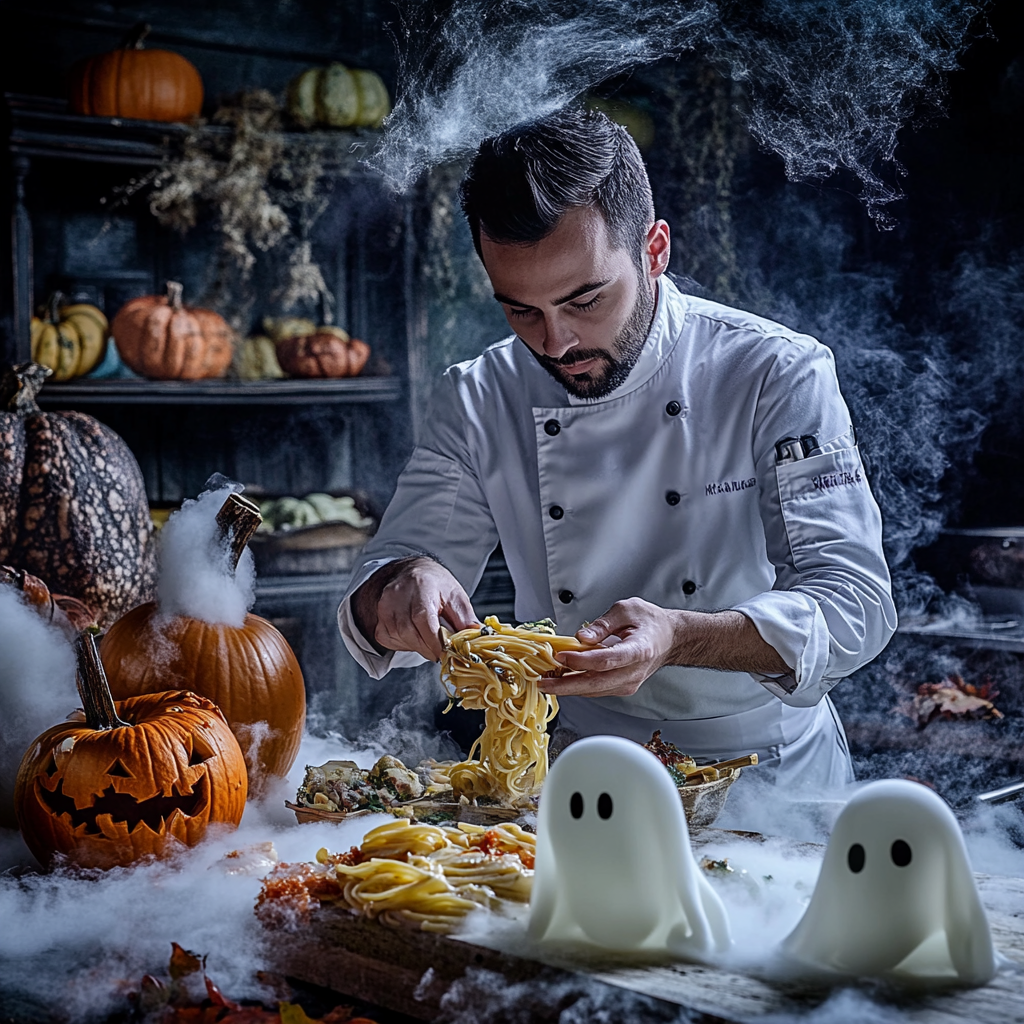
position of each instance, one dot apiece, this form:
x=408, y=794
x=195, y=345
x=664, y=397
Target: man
x=680, y=475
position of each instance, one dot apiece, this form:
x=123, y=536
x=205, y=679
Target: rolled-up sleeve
x=831, y=609
x=438, y=510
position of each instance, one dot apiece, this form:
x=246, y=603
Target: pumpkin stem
x=19, y=387
x=35, y=590
x=134, y=36
x=53, y=307
x=174, y=291
x=93, y=687
x=238, y=520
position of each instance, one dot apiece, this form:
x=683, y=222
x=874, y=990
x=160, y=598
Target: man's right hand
x=400, y=606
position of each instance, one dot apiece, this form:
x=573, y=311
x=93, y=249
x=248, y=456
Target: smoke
x=74, y=942
x=486, y=997
x=196, y=577
x=37, y=687
x=919, y=405
x=829, y=83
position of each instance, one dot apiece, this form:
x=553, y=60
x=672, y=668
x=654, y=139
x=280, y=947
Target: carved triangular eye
x=118, y=769
x=201, y=750
x=51, y=768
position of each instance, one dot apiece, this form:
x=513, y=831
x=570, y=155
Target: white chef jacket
x=669, y=489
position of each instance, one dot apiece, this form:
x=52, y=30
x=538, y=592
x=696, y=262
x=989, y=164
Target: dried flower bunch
x=266, y=189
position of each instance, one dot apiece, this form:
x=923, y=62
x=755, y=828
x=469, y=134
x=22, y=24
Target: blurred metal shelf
x=222, y=392
x=987, y=634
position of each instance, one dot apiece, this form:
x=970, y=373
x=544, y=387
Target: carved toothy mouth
x=123, y=807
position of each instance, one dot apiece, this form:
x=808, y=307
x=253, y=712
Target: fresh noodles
x=498, y=669
x=419, y=876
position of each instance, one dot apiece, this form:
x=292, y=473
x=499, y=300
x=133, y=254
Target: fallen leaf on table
x=952, y=699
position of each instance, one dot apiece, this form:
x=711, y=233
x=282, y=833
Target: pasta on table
x=409, y=875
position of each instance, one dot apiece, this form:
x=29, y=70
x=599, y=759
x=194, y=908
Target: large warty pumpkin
x=73, y=508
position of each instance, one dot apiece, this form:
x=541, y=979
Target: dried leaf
x=218, y=998
x=153, y=994
x=292, y=1013
x=184, y=963
x=953, y=699
x=251, y=1015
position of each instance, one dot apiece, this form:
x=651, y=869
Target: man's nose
x=558, y=337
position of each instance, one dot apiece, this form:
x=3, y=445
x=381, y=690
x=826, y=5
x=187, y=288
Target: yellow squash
x=70, y=340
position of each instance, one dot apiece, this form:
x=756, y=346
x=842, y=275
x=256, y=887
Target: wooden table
x=411, y=972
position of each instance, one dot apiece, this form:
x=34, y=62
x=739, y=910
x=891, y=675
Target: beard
x=614, y=365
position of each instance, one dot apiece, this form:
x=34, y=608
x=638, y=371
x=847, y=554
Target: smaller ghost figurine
x=896, y=896
x=614, y=865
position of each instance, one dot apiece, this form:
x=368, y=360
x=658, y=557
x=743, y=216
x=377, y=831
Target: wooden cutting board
x=411, y=972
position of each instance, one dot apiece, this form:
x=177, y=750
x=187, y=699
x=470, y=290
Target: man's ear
x=658, y=249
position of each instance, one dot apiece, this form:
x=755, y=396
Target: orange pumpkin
x=249, y=671
x=330, y=352
x=149, y=85
x=131, y=779
x=160, y=338
x=67, y=613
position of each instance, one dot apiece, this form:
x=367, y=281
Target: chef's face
x=582, y=305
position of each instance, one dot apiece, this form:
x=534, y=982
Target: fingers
x=621, y=615
x=458, y=610
x=619, y=683
x=410, y=607
x=603, y=659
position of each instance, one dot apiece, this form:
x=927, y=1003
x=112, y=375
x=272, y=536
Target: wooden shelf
x=222, y=392
x=44, y=127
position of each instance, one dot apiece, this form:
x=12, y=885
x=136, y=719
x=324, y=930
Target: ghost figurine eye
x=604, y=805
x=900, y=853
x=855, y=858
x=576, y=805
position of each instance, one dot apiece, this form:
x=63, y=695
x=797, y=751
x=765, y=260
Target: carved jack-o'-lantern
x=130, y=779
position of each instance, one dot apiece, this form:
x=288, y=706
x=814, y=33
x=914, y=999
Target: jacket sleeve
x=439, y=509
x=831, y=609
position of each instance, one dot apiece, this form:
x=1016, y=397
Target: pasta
x=498, y=669
x=409, y=875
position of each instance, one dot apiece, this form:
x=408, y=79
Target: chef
x=673, y=480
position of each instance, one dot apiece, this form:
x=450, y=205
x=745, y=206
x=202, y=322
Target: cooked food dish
x=418, y=876
x=344, y=786
x=684, y=769
x=498, y=668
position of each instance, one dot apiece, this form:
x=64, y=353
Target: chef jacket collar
x=660, y=341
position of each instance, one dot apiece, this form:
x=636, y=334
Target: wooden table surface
x=411, y=972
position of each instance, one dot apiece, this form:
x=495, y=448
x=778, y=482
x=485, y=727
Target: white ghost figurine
x=896, y=896
x=614, y=865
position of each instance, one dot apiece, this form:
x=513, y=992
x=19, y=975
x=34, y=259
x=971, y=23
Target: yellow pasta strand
x=498, y=670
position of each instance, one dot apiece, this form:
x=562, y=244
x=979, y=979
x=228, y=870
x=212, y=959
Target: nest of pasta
x=407, y=875
x=497, y=669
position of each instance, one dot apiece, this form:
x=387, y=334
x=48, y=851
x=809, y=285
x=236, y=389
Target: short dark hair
x=522, y=181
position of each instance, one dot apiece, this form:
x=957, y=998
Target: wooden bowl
x=704, y=801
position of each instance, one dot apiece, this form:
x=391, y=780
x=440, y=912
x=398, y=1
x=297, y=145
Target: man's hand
x=399, y=607
x=652, y=637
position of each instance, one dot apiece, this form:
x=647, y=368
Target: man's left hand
x=651, y=637
x=647, y=639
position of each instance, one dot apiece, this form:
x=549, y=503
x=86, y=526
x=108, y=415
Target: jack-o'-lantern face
x=110, y=796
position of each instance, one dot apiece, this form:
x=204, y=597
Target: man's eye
x=585, y=307
x=519, y=312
